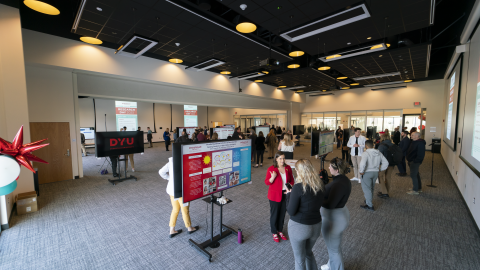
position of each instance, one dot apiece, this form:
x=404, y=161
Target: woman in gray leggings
x=335, y=215
x=305, y=225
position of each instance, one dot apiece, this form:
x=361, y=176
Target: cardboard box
x=26, y=203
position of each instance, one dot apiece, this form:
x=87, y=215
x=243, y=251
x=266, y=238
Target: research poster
x=450, y=106
x=476, y=123
x=326, y=142
x=190, y=116
x=126, y=115
x=224, y=132
x=212, y=167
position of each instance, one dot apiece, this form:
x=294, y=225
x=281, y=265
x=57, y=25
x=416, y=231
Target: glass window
x=343, y=120
x=358, y=119
x=281, y=121
x=317, y=121
x=306, y=117
x=329, y=120
x=374, y=123
x=392, y=119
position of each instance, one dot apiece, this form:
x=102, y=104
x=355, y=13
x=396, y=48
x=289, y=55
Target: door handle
x=68, y=153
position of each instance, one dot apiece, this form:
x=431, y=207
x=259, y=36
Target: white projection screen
x=470, y=149
x=453, y=86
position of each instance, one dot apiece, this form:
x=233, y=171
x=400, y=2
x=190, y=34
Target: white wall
x=428, y=93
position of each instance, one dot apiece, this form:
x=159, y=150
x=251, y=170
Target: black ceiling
x=203, y=38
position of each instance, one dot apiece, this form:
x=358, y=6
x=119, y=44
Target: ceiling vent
x=250, y=75
x=146, y=42
x=377, y=76
x=354, y=52
x=293, y=87
x=330, y=22
x=207, y=64
x=384, y=83
x=395, y=86
x=317, y=95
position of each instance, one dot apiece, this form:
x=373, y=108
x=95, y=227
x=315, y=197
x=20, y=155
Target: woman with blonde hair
x=214, y=137
x=286, y=145
x=335, y=216
x=271, y=142
x=304, y=202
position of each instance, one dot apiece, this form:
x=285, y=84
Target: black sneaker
x=383, y=196
x=366, y=207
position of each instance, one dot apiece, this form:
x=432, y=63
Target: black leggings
x=260, y=156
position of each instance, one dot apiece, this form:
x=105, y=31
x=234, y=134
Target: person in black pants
x=114, y=159
x=305, y=225
x=260, y=148
x=404, y=145
x=345, y=149
x=335, y=216
x=415, y=156
x=339, y=135
x=253, y=137
x=166, y=138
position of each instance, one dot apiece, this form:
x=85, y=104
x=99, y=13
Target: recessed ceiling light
x=293, y=66
x=354, y=84
x=258, y=80
x=264, y=71
x=281, y=86
x=91, y=40
x=341, y=78
x=333, y=56
x=299, y=91
x=324, y=90
x=225, y=72
x=324, y=68
x=369, y=37
x=175, y=60
x=296, y=53
x=114, y=33
x=349, y=43
x=407, y=81
x=345, y=87
x=380, y=55
x=99, y=9
x=42, y=7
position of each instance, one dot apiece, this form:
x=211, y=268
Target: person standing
x=82, y=141
x=286, y=145
x=305, y=225
x=385, y=177
x=149, y=137
x=335, y=216
x=356, y=143
x=236, y=134
x=345, y=155
x=259, y=148
x=214, y=137
x=415, y=156
x=175, y=135
x=166, y=138
x=201, y=137
x=183, y=138
x=396, y=136
x=277, y=176
x=166, y=172
x=129, y=156
x=338, y=134
x=369, y=167
x=271, y=142
x=253, y=137
x=139, y=129
x=205, y=130
x=404, y=145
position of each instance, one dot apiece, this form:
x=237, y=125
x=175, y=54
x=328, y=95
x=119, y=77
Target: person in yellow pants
x=166, y=172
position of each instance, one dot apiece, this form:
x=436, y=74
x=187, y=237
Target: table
x=291, y=162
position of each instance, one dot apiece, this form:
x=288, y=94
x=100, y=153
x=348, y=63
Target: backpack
x=324, y=176
x=394, y=155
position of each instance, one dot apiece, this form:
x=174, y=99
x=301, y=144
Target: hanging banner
x=126, y=115
x=450, y=106
x=476, y=123
x=190, y=116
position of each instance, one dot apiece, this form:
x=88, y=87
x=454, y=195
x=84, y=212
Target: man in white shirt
x=356, y=143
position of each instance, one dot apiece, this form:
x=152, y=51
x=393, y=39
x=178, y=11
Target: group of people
x=314, y=209
x=285, y=144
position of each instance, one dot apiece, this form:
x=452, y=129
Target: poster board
x=88, y=132
x=224, y=132
x=264, y=129
x=126, y=115
x=451, y=114
x=204, y=168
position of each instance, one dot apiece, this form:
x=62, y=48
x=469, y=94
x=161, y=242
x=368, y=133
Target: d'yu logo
x=119, y=143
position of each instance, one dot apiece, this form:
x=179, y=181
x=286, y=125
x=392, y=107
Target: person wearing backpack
x=385, y=177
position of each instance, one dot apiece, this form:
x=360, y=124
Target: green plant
x=309, y=129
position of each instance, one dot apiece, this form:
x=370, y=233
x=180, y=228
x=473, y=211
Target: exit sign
x=416, y=104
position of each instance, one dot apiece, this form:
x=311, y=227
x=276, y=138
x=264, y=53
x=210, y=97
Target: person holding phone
x=304, y=202
x=278, y=175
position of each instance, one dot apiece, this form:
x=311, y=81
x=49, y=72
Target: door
x=57, y=154
x=411, y=120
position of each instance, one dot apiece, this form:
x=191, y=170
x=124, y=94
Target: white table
x=291, y=162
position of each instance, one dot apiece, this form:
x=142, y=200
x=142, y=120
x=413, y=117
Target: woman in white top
x=167, y=173
x=286, y=145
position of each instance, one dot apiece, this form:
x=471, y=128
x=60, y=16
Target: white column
x=13, y=97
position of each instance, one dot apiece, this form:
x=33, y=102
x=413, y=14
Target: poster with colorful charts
x=209, y=167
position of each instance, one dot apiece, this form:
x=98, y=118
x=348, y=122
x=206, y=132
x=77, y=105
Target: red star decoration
x=20, y=152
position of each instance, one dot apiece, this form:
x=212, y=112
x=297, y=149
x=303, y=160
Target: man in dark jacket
x=396, y=136
x=236, y=134
x=404, y=144
x=183, y=138
x=385, y=177
x=415, y=155
x=200, y=136
x=339, y=136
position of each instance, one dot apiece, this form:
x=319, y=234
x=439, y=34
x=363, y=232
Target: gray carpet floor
x=90, y=224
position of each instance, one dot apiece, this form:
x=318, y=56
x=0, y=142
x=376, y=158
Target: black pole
x=212, y=198
x=431, y=180
x=221, y=213
x=105, y=122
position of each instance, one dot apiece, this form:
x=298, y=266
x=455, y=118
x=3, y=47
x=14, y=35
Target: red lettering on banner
x=190, y=112
x=113, y=142
x=121, y=141
x=128, y=141
x=121, y=110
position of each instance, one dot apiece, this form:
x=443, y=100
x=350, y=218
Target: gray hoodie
x=371, y=160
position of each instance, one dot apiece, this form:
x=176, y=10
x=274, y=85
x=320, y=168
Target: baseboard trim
x=463, y=200
x=4, y=227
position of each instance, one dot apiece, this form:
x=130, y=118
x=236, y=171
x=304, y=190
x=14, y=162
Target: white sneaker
x=133, y=170
x=353, y=179
x=325, y=267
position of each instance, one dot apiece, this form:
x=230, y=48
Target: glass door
x=411, y=121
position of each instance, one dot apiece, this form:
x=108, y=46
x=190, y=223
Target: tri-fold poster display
x=204, y=168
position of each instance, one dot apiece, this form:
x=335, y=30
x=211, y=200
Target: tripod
x=433, y=156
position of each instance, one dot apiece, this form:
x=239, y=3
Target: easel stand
x=224, y=230
x=431, y=180
x=322, y=161
x=114, y=181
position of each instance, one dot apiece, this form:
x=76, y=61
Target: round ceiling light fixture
x=42, y=7
x=324, y=90
x=296, y=53
x=293, y=66
x=258, y=80
x=91, y=40
x=225, y=72
x=281, y=86
x=333, y=56
x=243, y=25
x=345, y=87
x=175, y=61
x=324, y=68
x=341, y=78
x=379, y=46
x=300, y=91
x=407, y=81
x=354, y=84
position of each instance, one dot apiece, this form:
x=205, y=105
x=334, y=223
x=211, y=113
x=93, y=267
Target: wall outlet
x=473, y=200
x=456, y=172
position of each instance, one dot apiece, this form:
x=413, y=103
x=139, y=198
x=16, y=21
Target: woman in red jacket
x=277, y=175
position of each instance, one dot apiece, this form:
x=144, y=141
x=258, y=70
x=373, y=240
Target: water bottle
x=240, y=237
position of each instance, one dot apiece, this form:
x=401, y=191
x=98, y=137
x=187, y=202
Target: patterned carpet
x=90, y=224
